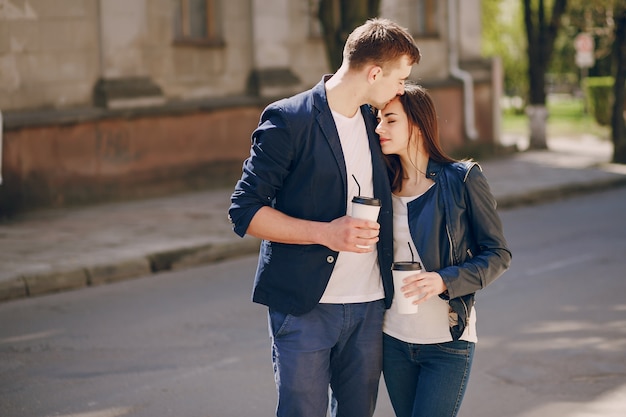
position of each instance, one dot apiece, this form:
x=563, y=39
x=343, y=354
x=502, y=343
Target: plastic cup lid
x=369, y=201
x=406, y=266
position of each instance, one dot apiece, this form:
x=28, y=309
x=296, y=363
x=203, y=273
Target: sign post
x=584, y=45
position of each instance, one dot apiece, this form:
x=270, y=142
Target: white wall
x=52, y=53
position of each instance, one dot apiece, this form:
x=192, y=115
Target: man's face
x=391, y=83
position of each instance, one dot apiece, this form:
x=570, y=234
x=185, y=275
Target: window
x=427, y=17
x=195, y=22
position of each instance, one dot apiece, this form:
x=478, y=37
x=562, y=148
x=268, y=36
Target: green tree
x=542, y=24
x=503, y=36
x=338, y=18
x=594, y=18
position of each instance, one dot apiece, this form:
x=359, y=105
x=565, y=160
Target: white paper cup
x=366, y=208
x=400, y=271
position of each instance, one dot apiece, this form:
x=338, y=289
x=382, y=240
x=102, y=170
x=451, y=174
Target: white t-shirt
x=356, y=276
x=430, y=323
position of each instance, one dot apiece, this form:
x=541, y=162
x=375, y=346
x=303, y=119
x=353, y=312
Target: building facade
x=108, y=99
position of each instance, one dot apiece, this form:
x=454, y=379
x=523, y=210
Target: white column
x=0, y=146
x=124, y=79
x=122, y=28
x=272, y=75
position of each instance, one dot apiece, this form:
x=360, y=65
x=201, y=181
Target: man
x=324, y=275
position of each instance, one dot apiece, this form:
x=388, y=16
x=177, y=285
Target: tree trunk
x=540, y=35
x=618, y=128
x=537, y=117
x=338, y=18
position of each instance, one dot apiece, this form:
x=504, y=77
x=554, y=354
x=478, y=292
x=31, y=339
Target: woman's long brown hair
x=421, y=114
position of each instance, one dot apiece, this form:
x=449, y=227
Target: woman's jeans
x=426, y=380
x=336, y=345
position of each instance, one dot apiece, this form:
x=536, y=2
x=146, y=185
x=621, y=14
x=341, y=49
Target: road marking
x=109, y=412
x=553, y=266
x=29, y=337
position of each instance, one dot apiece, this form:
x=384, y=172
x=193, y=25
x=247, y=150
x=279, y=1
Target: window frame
x=429, y=26
x=182, y=27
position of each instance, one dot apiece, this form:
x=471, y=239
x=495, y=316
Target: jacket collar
x=433, y=169
x=320, y=100
x=463, y=168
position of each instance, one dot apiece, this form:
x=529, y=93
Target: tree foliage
x=594, y=18
x=340, y=17
x=503, y=36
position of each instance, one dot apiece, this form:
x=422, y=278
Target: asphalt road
x=552, y=334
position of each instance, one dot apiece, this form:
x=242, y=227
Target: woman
x=446, y=215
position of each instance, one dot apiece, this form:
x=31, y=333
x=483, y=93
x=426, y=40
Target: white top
x=430, y=323
x=356, y=276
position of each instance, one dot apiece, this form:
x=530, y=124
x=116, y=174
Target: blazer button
x=330, y=259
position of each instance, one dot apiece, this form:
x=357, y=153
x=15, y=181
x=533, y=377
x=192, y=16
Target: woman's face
x=393, y=129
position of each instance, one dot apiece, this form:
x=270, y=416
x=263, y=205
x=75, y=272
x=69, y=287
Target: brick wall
x=121, y=157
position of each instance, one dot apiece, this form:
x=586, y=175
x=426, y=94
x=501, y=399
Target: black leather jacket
x=458, y=233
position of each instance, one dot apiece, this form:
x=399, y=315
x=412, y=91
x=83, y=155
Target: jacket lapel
x=327, y=126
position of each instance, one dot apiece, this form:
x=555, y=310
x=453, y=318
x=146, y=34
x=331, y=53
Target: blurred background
x=104, y=103
x=107, y=100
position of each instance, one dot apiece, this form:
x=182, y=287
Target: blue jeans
x=426, y=380
x=334, y=345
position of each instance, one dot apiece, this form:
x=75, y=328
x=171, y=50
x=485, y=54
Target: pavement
x=56, y=250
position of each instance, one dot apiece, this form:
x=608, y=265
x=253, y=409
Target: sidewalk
x=64, y=249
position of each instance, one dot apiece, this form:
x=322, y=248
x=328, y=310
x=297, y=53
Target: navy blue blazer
x=296, y=166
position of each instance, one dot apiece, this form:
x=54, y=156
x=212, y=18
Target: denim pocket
x=279, y=322
x=457, y=347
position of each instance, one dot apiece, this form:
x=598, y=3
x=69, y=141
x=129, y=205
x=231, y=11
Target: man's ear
x=374, y=73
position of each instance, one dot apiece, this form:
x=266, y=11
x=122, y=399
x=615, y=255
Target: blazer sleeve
x=264, y=171
x=485, y=256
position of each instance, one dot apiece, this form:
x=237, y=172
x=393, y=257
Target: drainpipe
x=0, y=146
x=458, y=73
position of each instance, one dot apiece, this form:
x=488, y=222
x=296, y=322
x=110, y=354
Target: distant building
x=110, y=99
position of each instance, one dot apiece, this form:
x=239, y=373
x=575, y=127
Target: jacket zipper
x=467, y=314
x=451, y=247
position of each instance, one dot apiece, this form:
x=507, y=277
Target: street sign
x=584, y=45
x=584, y=42
x=585, y=59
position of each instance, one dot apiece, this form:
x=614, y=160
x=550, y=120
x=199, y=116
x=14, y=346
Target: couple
x=326, y=276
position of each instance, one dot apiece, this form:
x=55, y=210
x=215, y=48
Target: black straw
x=357, y=184
x=412, y=256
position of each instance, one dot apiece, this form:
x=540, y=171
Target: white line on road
x=542, y=269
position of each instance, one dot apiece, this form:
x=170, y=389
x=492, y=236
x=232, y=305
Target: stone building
x=111, y=99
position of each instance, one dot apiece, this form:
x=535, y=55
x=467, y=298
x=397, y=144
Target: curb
x=33, y=285
x=560, y=192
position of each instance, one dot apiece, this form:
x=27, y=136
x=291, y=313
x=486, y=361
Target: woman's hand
x=423, y=286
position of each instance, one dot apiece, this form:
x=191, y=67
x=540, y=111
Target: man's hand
x=348, y=234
